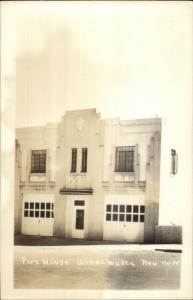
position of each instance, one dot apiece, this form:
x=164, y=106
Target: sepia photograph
x=96, y=150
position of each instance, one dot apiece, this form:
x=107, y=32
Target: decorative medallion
x=80, y=124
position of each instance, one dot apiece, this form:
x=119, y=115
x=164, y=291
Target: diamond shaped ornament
x=80, y=124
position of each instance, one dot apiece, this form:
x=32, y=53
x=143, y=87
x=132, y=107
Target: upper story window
x=174, y=162
x=38, y=161
x=124, y=161
x=74, y=160
x=84, y=160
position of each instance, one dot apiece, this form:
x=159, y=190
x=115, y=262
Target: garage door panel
x=30, y=226
x=124, y=221
x=38, y=216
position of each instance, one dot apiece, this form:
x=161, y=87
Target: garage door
x=124, y=222
x=38, y=217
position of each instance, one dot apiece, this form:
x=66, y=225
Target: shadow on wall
x=168, y=234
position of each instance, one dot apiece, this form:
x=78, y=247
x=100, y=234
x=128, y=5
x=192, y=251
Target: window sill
x=125, y=172
x=37, y=174
x=37, y=177
x=79, y=174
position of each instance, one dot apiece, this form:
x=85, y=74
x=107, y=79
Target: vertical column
x=152, y=188
x=24, y=154
x=28, y=168
x=48, y=160
x=112, y=163
x=52, y=164
x=18, y=198
x=136, y=165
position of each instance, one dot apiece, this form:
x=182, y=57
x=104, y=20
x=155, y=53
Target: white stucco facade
x=96, y=199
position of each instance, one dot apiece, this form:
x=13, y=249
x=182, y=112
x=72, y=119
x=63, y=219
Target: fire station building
x=89, y=178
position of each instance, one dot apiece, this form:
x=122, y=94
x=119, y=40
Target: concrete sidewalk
x=34, y=240
x=111, y=267
x=40, y=241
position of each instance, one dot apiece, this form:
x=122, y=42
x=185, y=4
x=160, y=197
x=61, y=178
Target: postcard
x=96, y=150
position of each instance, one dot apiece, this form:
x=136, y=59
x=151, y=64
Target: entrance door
x=78, y=226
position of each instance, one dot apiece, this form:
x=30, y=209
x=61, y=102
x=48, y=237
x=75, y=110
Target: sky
x=126, y=59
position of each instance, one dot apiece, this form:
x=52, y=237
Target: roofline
x=53, y=125
x=147, y=121
x=37, y=128
x=141, y=121
x=81, y=110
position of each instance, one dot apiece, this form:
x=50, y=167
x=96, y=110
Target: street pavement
x=97, y=267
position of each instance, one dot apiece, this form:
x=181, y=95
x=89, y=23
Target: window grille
x=174, y=162
x=84, y=160
x=124, y=161
x=38, y=161
x=74, y=160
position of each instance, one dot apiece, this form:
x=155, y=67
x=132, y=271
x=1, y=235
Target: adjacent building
x=89, y=178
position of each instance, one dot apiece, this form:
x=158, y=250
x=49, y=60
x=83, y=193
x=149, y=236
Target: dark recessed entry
x=80, y=219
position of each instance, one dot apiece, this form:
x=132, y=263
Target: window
x=128, y=208
x=125, y=213
x=122, y=208
x=37, y=205
x=38, y=210
x=84, y=160
x=115, y=217
x=142, y=209
x=108, y=207
x=79, y=202
x=38, y=161
x=37, y=214
x=25, y=213
x=47, y=214
x=135, y=208
x=142, y=218
x=74, y=160
x=128, y=218
x=108, y=217
x=115, y=208
x=174, y=162
x=135, y=218
x=122, y=217
x=124, y=161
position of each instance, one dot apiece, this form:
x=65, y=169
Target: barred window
x=74, y=160
x=84, y=160
x=38, y=161
x=174, y=162
x=124, y=161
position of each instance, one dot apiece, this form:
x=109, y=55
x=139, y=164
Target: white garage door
x=124, y=222
x=38, y=216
